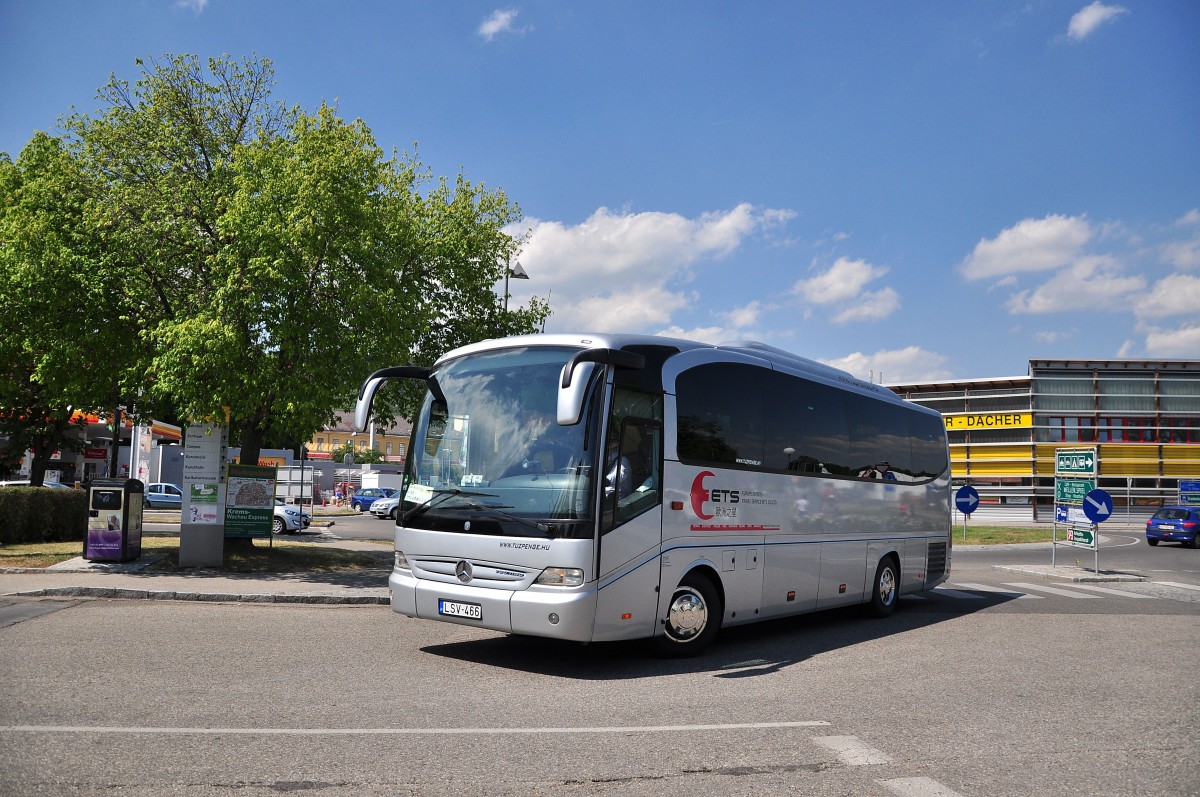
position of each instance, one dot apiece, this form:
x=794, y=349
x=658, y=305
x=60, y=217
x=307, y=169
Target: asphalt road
x=999, y=684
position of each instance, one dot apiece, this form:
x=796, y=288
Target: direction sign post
x=966, y=499
x=1098, y=506
x=1078, y=503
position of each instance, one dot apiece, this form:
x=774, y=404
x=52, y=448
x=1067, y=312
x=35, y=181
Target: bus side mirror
x=366, y=394
x=577, y=373
x=572, y=397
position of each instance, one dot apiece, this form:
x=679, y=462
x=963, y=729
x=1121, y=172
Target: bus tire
x=886, y=592
x=693, y=618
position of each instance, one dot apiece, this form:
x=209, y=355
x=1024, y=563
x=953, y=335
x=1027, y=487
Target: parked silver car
x=386, y=508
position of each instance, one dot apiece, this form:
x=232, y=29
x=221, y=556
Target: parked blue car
x=363, y=499
x=1174, y=524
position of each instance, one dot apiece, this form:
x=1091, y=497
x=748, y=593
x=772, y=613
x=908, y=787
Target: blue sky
x=908, y=190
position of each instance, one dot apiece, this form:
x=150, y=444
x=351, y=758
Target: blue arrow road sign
x=966, y=499
x=1098, y=506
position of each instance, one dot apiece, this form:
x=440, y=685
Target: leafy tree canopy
x=269, y=258
x=70, y=342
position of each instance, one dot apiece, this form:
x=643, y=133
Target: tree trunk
x=251, y=442
x=42, y=450
x=115, y=454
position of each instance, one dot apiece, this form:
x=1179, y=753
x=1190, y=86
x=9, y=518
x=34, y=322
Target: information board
x=249, y=500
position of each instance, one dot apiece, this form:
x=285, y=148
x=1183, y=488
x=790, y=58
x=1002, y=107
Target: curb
x=1071, y=573
x=211, y=597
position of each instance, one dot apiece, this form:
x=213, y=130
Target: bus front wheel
x=693, y=618
x=887, y=588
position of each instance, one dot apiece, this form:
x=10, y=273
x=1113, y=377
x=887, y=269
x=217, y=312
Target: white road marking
x=953, y=593
x=733, y=726
x=917, y=787
x=852, y=751
x=996, y=590
x=1051, y=590
x=1177, y=584
x=1107, y=591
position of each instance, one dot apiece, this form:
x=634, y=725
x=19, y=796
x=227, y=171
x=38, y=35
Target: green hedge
x=42, y=514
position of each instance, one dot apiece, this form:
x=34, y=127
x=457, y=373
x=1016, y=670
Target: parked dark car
x=1174, y=524
x=363, y=499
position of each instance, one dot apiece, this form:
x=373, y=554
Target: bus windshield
x=488, y=455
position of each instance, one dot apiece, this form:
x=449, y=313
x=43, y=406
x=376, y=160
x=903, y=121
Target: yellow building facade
x=1142, y=417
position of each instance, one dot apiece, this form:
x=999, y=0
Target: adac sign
x=988, y=420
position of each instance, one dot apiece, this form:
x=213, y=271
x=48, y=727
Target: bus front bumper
x=537, y=611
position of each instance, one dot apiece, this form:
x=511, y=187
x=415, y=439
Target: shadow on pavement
x=740, y=652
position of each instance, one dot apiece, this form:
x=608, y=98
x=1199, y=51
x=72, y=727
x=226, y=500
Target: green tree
x=361, y=455
x=70, y=341
x=274, y=256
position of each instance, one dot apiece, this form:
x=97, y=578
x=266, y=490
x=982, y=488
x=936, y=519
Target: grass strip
x=261, y=557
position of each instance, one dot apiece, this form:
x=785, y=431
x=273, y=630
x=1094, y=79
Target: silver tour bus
x=610, y=486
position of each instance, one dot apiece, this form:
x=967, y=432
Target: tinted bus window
x=720, y=414
x=807, y=432
x=928, y=447
x=734, y=414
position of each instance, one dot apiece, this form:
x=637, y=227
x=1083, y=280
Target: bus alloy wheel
x=887, y=588
x=693, y=619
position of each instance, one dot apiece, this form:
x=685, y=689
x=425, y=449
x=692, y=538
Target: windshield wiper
x=495, y=509
x=498, y=511
x=438, y=497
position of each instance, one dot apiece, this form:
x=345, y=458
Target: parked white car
x=163, y=495
x=288, y=518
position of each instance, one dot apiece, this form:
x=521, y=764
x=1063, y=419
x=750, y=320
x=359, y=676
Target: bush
x=42, y=514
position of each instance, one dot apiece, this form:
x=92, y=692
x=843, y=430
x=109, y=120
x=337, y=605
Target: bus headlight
x=561, y=577
x=402, y=561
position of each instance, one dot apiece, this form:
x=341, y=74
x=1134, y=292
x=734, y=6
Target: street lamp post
x=516, y=272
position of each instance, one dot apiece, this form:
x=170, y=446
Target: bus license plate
x=472, y=611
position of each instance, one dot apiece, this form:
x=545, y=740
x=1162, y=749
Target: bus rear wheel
x=693, y=618
x=887, y=588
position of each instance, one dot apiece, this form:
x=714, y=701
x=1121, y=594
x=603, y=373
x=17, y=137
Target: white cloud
x=1030, y=245
x=632, y=308
x=1056, y=336
x=195, y=6
x=1090, y=17
x=870, y=306
x=910, y=364
x=1091, y=283
x=1180, y=343
x=702, y=334
x=1176, y=294
x=843, y=285
x=1189, y=219
x=613, y=270
x=742, y=317
x=501, y=21
x=844, y=281
x=1183, y=254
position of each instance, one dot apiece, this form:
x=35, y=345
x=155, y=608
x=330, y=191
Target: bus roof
x=750, y=348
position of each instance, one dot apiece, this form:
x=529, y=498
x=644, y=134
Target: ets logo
x=711, y=503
